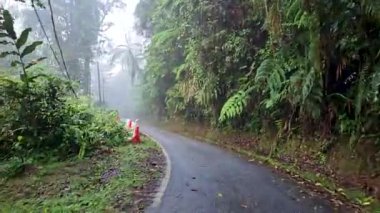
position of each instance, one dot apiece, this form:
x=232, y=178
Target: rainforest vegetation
x=60, y=149
x=43, y=112
x=294, y=69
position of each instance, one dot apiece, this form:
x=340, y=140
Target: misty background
x=116, y=84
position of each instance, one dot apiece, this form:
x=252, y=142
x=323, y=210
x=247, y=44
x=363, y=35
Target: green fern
x=166, y=38
x=312, y=104
x=234, y=105
x=271, y=77
x=361, y=88
x=269, y=72
x=308, y=84
x=371, y=8
x=294, y=9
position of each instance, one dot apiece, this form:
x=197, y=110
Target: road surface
x=207, y=179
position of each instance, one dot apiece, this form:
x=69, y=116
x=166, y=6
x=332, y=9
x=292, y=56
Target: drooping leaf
x=6, y=42
x=29, y=49
x=34, y=62
x=23, y=38
x=3, y=35
x=5, y=54
x=14, y=63
x=9, y=24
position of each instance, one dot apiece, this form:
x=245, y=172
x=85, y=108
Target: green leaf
x=14, y=63
x=5, y=54
x=6, y=42
x=234, y=105
x=23, y=37
x=29, y=49
x=34, y=62
x=37, y=3
x=2, y=35
x=9, y=24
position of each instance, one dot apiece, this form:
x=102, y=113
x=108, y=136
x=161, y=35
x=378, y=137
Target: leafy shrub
x=43, y=118
x=86, y=127
x=37, y=114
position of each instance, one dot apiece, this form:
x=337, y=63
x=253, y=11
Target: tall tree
x=80, y=26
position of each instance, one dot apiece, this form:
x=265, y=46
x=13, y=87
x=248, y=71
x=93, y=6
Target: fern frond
x=234, y=105
x=270, y=72
x=294, y=9
x=166, y=37
x=371, y=8
x=308, y=84
x=270, y=75
x=360, y=91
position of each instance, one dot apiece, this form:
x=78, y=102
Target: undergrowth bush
x=38, y=116
x=42, y=118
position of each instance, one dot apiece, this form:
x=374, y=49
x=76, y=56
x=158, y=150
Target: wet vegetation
x=40, y=110
x=60, y=149
x=112, y=180
x=283, y=71
x=295, y=81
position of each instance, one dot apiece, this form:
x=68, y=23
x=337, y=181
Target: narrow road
x=207, y=179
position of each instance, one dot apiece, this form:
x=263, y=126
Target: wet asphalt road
x=207, y=179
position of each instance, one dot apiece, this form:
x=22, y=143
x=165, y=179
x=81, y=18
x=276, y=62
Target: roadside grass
x=107, y=181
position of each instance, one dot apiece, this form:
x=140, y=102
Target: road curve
x=207, y=179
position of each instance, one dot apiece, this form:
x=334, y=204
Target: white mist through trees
x=93, y=34
x=121, y=69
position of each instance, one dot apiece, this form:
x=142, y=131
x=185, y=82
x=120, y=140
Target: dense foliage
x=295, y=67
x=38, y=116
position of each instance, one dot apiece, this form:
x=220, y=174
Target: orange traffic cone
x=136, y=135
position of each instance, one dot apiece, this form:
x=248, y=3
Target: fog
x=116, y=31
x=119, y=93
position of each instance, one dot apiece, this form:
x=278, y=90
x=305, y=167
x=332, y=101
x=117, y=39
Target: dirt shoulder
x=123, y=179
x=318, y=172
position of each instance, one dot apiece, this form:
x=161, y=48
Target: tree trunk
x=87, y=77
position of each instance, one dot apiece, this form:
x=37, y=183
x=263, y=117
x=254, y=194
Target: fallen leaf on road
x=220, y=195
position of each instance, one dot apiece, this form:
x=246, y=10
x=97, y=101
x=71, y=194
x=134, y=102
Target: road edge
x=165, y=180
